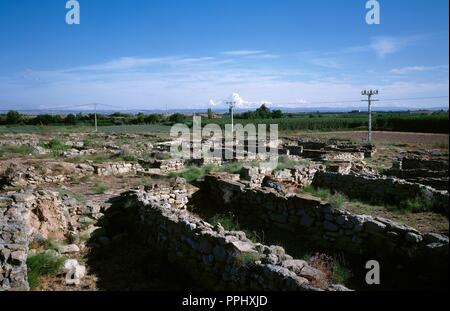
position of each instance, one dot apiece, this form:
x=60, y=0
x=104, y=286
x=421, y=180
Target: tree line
x=435, y=122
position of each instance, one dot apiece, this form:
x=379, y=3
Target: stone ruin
x=31, y=217
x=13, y=246
x=427, y=169
x=158, y=217
x=223, y=259
x=329, y=228
x=33, y=174
x=322, y=151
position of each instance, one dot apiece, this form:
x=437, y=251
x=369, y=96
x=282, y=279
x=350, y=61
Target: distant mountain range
x=219, y=110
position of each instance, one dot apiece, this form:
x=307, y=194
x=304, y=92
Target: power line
x=248, y=103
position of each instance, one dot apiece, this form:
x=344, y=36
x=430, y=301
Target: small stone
x=311, y=273
x=68, y=249
x=18, y=257
x=271, y=259
x=375, y=226
x=435, y=238
x=74, y=272
x=413, y=238
x=295, y=265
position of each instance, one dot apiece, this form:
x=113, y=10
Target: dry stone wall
x=221, y=259
x=13, y=245
x=381, y=189
x=318, y=222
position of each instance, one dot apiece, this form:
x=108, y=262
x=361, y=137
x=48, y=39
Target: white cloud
x=325, y=62
x=383, y=46
x=380, y=45
x=127, y=63
x=188, y=82
x=413, y=69
x=243, y=52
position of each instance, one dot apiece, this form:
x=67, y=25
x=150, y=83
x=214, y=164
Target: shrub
x=416, y=205
x=247, y=259
x=13, y=117
x=99, y=187
x=340, y=274
x=226, y=220
x=334, y=268
x=43, y=264
x=337, y=200
x=55, y=145
x=192, y=173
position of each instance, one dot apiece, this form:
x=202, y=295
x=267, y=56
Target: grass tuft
x=43, y=264
x=100, y=187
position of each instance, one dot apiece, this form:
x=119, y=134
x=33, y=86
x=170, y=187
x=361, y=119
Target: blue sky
x=193, y=53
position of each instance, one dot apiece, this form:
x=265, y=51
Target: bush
x=55, y=145
x=43, y=264
x=13, y=117
x=337, y=200
x=227, y=221
x=416, y=205
x=247, y=259
x=340, y=274
x=99, y=187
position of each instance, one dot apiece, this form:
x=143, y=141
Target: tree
x=277, y=114
x=71, y=119
x=210, y=114
x=177, y=118
x=262, y=112
x=13, y=117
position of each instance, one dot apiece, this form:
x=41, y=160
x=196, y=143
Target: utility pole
x=95, y=117
x=369, y=100
x=232, y=104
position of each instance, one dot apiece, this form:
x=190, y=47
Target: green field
x=430, y=122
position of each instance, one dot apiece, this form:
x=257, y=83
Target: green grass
x=43, y=264
x=321, y=193
x=47, y=244
x=9, y=150
x=191, y=174
x=436, y=122
x=340, y=273
x=226, y=220
x=230, y=223
x=100, y=188
x=55, y=145
x=337, y=200
x=247, y=259
x=415, y=205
